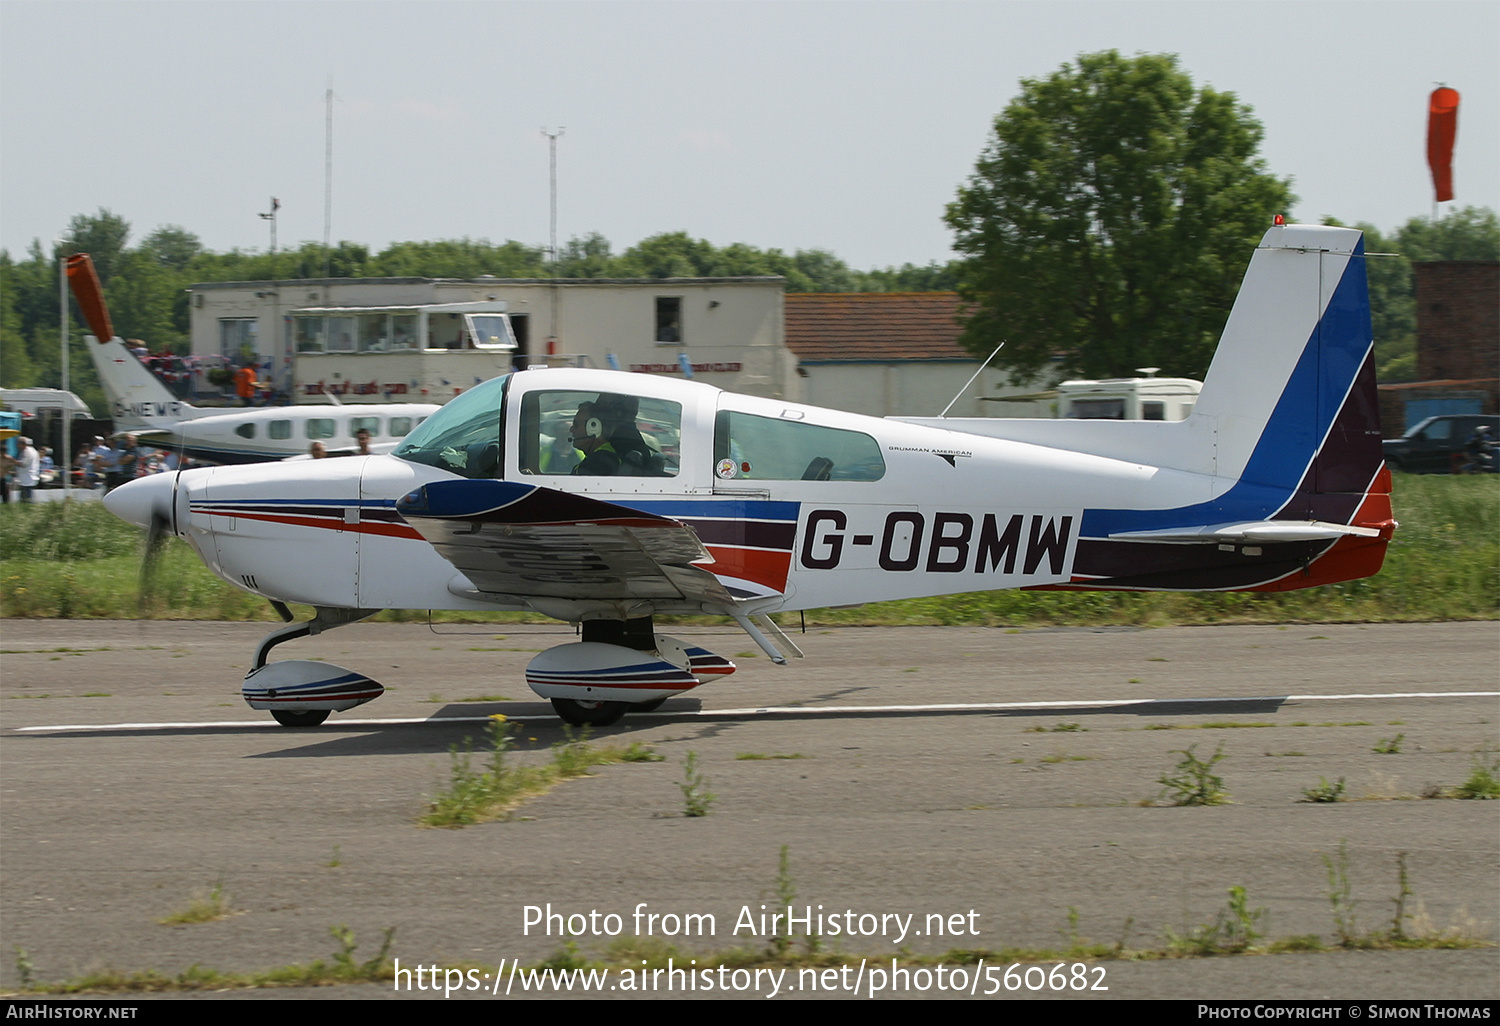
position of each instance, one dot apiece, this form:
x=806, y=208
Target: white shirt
x=28, y=467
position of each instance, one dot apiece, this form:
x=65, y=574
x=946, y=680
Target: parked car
x=1430, y=446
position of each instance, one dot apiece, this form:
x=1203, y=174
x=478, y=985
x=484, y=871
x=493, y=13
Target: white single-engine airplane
x=679, y=498
x=140, y=404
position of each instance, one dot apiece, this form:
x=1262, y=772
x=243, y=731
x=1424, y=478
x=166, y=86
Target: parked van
x=35, y=402
x=1148, y=398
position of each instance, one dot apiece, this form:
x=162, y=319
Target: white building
x=416, y=339
x=425, y=339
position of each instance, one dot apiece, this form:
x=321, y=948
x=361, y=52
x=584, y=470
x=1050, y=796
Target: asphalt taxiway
x=991, y=775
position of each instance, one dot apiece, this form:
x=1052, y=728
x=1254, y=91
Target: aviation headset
x=593, y=427
x=607, y=411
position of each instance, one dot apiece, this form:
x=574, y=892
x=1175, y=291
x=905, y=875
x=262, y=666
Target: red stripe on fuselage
x=363, y=527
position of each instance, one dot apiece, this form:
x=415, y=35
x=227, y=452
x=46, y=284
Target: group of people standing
x=100, y=462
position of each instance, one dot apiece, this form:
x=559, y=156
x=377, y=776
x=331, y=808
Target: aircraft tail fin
x=1290, y=409
x=138, y=401
x=1291, y=390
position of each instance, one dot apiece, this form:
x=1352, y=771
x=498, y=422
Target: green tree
x=16, y=368
x=588, y=257
x=102, y=236
x=1110, y=219
x=457, y=258
x=1471, y=233
x=172, y=246
x=668, y=255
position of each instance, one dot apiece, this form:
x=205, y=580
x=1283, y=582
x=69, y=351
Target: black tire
x=588, y=714
x=307, y=718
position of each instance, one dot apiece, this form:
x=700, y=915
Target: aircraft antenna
x=965, y=388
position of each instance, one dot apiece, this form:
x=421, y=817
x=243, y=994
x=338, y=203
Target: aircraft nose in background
x=136, y=501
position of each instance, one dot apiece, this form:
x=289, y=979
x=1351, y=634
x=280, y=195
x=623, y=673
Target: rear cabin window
x=281, y=429
x=358, y=424
x=319, y=427
x=788, y=449
x=399, y=427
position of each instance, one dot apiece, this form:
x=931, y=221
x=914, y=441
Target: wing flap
x=520, y=540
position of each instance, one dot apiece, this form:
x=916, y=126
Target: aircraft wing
x=518, y=540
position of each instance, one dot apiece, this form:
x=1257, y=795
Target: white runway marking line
x=799, y=710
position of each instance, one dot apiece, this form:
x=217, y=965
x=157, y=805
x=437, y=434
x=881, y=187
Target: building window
x=238, y=339
x=669, y=320
x=340, y=335
x=308, y=333
x=373, y=337
x=403, y=331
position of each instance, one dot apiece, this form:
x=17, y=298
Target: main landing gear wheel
x=308, y=718
x=588, y=714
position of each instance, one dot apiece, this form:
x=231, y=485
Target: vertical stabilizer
x=138, y=401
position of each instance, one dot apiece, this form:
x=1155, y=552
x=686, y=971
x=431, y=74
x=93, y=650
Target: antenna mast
x=552, y=234
x=327, y=174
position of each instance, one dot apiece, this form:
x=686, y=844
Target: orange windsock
x=1442, y=128
x=90, y=296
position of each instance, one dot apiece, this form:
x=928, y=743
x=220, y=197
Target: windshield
x=464, y=436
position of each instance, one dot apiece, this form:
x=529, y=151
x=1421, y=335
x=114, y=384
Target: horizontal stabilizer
x=1254, y=532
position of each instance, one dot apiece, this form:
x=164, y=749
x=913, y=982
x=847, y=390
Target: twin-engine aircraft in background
x=607, y=499
x=140, y=404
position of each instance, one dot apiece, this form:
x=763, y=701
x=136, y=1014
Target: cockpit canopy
x=593, y=432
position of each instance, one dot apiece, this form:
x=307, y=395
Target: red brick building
x=1458, y=345
x=1458, y=319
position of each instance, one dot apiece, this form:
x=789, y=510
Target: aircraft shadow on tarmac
x=453, y=723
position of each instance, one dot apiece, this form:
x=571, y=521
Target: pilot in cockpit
x=605, y=432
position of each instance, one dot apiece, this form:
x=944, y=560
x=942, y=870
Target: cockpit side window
x=789, y=449
x=599, y=434
x=465, y=436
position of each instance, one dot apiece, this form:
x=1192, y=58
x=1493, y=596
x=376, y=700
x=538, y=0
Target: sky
x=844, y=126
